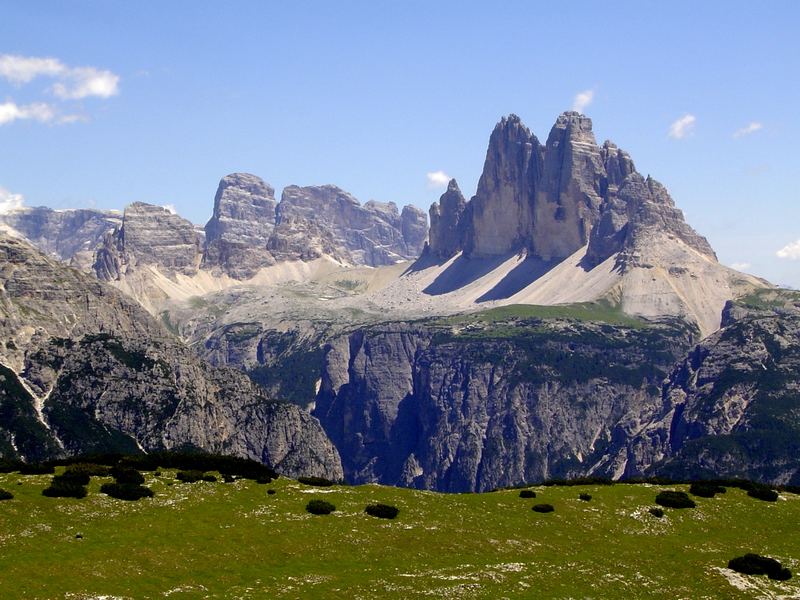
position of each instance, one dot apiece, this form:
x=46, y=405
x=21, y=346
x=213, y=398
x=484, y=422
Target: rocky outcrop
x=149, y=236
x=414, y=227
x=730, y=409
x=543, y=200
x=71, y=235
x=239, y=230
x=446, y=222
x=485, y=408
x=373, y=234
x=85, y=369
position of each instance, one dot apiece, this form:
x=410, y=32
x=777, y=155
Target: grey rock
x=446, y=222
x=239, y=230
x=149, y=236
x=414, y=228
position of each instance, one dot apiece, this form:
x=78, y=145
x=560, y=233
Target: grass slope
x=217, y=540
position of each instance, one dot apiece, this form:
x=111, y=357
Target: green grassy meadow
x=218, y=540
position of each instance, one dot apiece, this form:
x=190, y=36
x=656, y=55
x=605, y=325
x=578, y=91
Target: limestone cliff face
x=85, y=369
x=71, y=235
x=240, y=227
x=540, y=199
x=423, y=407
x=149, y=236
x=447, y=222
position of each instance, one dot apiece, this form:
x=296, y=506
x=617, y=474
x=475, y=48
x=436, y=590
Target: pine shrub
x=705, y=489
x=671, y=499
x=543, y=508
x=4, y=495
x=763, y=493
x=585, y=497
x=60, y=488
x=527, y=494
x=656, y=512
x=126, y=491
x=382, y=511
x=315, y=481
x=36, y=469
x=189, y=476
x=753, y=564
x=320, y=507
x=126, y=475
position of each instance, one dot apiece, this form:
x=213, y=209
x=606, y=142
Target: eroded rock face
x=238, y=232
x=85, y=369
x=149, y=235
x=540, y=199
x=71, y=235
x=425, y=408
x=447, y=222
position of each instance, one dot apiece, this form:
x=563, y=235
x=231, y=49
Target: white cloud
x=38, y=111
x=171, y=208
x=9, y=201
x=740, y=266
x=438, y=179
x=72, y=83
x=87, y=81
x=747, y=130
x=790, y=251
x=682, y=127
x=582, y=100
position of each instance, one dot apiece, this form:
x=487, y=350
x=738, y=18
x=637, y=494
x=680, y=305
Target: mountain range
x=564, y=321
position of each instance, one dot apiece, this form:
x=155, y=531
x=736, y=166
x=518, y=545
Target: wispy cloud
x=9, y=201
x=171, y=208
x=790, y=251
x=72, y=83
x=748, y=129
x=38, y=111
x=438, y=179
x=682, y=127
x=582, y=100
x=740, y=266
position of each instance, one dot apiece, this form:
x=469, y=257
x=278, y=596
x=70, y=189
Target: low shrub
x=73, y=477
x=271, y=491
x=126, y=491
x=60, y=488
x=753, y=564
x=585, y=497
x=264, y=480
x=543, y=508
x=228, y=478
x=671, y=499
x=4, y=495
x=36, y=469
x=382, y=511
x=320, y=507
x=705, y=489
x=200, y=461
x=763, y=493
x=656, y=512
x=209, y=477
x=527, y=494
x=127, y=475
x=315, y=481
x=189, y=476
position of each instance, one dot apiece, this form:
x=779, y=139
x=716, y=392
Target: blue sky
x=156, y=101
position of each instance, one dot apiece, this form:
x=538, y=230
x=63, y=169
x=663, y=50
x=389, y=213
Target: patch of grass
x=441, y=545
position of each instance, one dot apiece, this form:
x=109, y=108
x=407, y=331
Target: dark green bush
x=4, y=495
x=208, y=477
x=763, y=493
x=543, y=508
x=672, y=499
x=527, y=494
x=657, y=512
x=320, y=507
x=753, y=564
x=127, y=475
x=228, y=478
x=706, y=489
x=60, y=488
x=264, y=480
x=270, y=491
x=36, y=469
x=585, y=497
x=200, y=461
x=316, y=481
x=382, y=511
x=189, y=476
x=72, y=477
x=126, y=491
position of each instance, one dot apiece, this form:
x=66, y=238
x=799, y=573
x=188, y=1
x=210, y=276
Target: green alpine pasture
x=234, y=540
